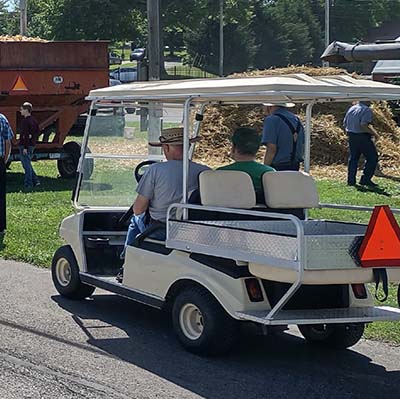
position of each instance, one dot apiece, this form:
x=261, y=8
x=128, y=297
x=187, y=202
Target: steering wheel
x=138, y=173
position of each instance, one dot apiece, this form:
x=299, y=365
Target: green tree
x=9, y=20
x=202, y=37
x=351, y=19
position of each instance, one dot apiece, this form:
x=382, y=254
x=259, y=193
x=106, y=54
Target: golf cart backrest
x=290, y=189
x=227, y=188
x=231, y=189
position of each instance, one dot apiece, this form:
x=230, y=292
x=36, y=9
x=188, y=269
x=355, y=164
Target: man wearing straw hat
x=283, y=134
x=161, y=185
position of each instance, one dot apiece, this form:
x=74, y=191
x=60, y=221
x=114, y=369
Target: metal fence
x=187, y=72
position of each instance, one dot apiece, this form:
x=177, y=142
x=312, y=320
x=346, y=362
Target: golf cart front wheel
x=338, y=336
x=65, y=275
x=201, y=324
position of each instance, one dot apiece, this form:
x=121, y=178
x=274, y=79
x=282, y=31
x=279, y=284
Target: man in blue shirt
x=6, y=135
x=283, y=134
x=357, y=123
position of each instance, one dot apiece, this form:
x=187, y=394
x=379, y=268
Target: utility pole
x=221, y=37
x=23, y=5
x=154, y=51
x=327, y=39
x=154, y=55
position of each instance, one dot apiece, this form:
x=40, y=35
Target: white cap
x=286, y=105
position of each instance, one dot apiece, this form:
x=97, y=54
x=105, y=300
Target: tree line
x=258, y=34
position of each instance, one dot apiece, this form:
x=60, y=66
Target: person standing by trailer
x=358, y=125
x=29, y=134
x=283, y=135
x=6, y=134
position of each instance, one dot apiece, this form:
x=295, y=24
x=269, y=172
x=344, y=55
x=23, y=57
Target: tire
x=201, y=324
x=337, y=336
x=65, y=275
x=398, y=295
x=67, y=167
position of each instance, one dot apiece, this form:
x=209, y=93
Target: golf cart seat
x=290, y=190
x=233, y=189
x=227, y=188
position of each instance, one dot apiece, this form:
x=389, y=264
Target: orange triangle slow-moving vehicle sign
x=381, y=243
x=19, y=85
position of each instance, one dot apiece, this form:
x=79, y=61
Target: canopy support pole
x=307, y=137
x=186, y=147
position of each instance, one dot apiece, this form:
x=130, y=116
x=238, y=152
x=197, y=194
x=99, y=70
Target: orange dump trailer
x=55, y=77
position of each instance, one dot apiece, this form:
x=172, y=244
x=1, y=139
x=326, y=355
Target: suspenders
x=295, y=134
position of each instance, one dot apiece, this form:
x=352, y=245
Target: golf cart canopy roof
x=298, y=88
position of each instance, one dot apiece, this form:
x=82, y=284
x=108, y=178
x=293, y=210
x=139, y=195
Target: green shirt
x=252, y=168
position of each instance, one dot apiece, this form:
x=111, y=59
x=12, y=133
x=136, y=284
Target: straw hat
x=172, y=136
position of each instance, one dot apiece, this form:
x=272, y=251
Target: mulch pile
x=20, y=38
x=328, y=142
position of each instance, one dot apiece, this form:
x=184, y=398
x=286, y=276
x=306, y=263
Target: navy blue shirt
x=277, y=132
x=356, y=116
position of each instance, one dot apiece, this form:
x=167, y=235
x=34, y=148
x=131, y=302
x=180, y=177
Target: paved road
x=109, y=347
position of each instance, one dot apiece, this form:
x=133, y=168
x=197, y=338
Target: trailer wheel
x=67, y=167
x=201, y=324
x=65, y=275
x=338, y=336
x=398, y=295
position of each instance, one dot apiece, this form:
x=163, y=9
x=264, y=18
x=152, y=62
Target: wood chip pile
x=20, y=38
x=328, y=142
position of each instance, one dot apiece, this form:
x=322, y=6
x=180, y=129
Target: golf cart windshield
x=116, y=142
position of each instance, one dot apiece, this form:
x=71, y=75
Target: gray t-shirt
x=162, y=185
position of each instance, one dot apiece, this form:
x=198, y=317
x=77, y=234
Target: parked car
x=114, y=82
x=138, y=54
x=114, y=58
x=124, y=74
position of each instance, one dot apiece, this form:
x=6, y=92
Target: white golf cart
x=227, y=259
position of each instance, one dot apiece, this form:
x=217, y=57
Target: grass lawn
x=34, y=218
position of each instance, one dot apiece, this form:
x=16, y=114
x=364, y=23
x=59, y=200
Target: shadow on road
x=275, y=366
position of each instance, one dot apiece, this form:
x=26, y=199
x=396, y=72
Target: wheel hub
x=191, y=321
x=63, y=272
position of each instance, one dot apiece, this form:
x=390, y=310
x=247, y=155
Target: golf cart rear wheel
x=201, y=324
x=338, y=336
x=65, y=275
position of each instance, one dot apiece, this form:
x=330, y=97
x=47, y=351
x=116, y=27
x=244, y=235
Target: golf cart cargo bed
x=322, y=252
x=327, y=245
